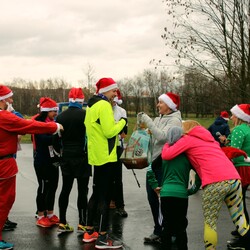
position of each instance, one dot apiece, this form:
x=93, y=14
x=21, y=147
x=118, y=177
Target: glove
x=139, y=117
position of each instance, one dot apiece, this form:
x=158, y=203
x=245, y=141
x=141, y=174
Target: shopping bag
x=137, y=153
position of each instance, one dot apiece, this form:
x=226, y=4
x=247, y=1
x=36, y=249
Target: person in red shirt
x=10, y=127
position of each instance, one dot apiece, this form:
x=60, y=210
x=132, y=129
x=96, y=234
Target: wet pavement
x=130, y=230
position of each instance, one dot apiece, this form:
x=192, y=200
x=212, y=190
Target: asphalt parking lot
x=130, y=230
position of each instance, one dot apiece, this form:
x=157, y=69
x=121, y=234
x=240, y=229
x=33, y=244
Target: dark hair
x=42, y=116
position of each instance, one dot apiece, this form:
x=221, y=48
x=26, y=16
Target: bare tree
x=213, y=36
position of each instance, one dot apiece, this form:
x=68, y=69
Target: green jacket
x=240, y=138
x=175, y=178
x=102, y=131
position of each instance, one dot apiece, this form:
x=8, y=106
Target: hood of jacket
x=201, y=133
x=219, y=121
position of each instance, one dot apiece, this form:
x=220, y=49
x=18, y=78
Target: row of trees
x=199, y=94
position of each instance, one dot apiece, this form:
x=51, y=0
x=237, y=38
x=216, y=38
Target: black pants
x=82, y=199
x=47, y=177
x=174, y=211
x=154, y=202
x=98, y=207
x=117, y=189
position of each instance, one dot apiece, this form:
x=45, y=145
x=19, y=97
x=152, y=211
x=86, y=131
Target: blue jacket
x=220, y=125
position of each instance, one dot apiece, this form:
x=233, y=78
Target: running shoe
x=104, y=242
x=65, y=228
x=44, y=222
x=5, y=245
x=54, y=220
x=81, y=229
x=90, y=236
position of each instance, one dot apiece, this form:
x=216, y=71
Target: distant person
x=10, y=127
x=220, y=180
x=220, y=127
x=46, y=164
x=102, y=131
x=74, y=162
x=117, y=191
x=169, y=115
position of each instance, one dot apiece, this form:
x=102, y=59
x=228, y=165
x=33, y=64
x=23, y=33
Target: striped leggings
x=212, y=199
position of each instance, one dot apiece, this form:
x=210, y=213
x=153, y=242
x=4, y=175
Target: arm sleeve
x=151, y=178
x=159, y=133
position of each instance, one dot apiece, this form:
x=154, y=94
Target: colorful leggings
x=213, y=196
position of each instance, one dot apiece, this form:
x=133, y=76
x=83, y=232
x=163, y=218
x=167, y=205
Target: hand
x=247, y=159
x=157, y=190
x=61, y=127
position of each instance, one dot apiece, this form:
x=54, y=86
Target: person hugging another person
x=174, y=194
x=220, y=181
x=169, y=116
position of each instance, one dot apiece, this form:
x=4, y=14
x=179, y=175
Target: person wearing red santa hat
x=102, y=131
x=10, y=127
x=117, y=192
x=169, y=115
x=74, y=162
x=240, y=139
x=220, y=127
x=46, y=163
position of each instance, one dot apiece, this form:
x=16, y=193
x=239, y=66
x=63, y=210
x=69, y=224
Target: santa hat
x=5, y=92
x=232, y=152
x=171, y=99
x=47, y=104
x=224, y=115
x=118, y=98
x=242, y=111
x=105, y=84
x=76, y=95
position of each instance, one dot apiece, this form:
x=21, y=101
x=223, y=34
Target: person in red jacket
x=10, y=127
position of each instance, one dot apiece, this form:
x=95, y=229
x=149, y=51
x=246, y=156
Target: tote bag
x=137, y=154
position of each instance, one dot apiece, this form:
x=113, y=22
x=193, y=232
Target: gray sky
x=58, y=38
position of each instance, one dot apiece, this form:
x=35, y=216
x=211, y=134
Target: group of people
x=73, y=141
x=179, y=146
x=77, y=139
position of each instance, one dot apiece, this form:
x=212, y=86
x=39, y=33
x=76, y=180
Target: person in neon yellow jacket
x=102, y=131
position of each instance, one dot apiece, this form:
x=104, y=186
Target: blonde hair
x=188, y=125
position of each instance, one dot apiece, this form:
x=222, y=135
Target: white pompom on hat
x=118, y=98
x=76, y=95
x=47, y=104
x=5, y=92
x=171, y=99
x=242, y=111
x=105, y=84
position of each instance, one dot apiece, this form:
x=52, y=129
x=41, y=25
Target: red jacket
x=11, y=126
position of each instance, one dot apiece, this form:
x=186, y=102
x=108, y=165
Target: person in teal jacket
x=174, y=194
x=102, y=131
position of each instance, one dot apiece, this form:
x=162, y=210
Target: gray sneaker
x=104, y=242
x=153, y=238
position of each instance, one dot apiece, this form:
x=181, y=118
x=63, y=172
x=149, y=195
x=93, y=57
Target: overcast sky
x=58, y=38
